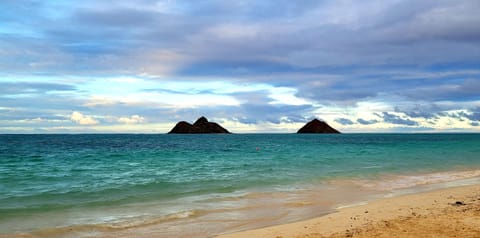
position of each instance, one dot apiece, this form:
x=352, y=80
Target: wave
x=97, y=229
x=146, y=221
x=395, y=182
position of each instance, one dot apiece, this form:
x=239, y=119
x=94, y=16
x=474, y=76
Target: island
x=317, y=126
x=201, y=126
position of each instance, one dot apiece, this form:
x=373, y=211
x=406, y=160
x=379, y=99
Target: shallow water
x=109, y=185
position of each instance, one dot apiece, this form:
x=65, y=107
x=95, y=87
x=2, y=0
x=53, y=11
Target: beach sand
x=450, y=212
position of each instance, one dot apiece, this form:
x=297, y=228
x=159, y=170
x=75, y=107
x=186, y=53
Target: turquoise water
x=107, y=179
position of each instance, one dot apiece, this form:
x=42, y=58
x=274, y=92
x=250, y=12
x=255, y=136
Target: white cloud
x=95, y=101
x=83, y=119
x=135, y=119
x=285, y=95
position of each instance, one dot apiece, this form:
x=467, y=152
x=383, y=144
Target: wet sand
x=445, y=212
x=451, y=212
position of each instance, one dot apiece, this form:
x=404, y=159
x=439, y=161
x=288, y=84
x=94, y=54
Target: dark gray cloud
x=459, y=89
x=344, y=121
x=332, y=52
x=420, y=114
x=123, y=17
x=427, y=111
x=336, y=92
x=440, y=20
x=366, y=122
x=394, y=119
x=472, y=114
x=14, y=88
x=212, y=31
x=253, y=10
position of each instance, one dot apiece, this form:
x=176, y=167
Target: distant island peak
x=317, y=126
x=200, y=126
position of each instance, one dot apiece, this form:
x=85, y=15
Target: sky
x=140, y=66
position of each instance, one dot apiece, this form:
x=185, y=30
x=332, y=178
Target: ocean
x=116, y=185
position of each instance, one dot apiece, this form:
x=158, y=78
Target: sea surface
x=203, y=185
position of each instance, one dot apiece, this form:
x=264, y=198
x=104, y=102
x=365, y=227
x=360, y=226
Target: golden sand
x=451, y=212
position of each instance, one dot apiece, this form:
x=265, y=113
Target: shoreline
x=442, y=212
x=278, y=210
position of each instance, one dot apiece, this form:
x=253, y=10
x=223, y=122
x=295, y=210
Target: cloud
x=344, y=121
x=258, y=35
x=474, y=115
x=81, y=119
x=114, y=17
x=418, y=60
x=464, y=89
x=426, y=111
x=16, y=88
x=366, y=122
x=135, y=119
x=395, y=119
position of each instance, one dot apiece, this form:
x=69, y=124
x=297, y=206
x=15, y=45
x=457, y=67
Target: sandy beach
x=450, y=212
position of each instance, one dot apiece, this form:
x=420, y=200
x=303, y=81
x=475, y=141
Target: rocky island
x=317, y=126
x=201, y=126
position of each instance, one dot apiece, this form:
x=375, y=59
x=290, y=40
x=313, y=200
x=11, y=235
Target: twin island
x=203, y=126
